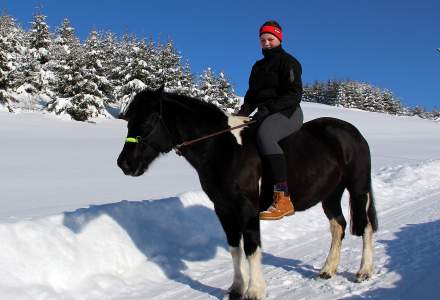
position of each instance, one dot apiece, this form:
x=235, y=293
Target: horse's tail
x=363, y=212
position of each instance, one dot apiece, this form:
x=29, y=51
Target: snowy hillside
x=73, y=226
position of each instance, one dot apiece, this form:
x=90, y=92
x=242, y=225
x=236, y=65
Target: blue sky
x=391, y=44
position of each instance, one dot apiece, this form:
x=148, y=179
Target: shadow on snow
x=165, y=231
x=168, y=234
x=414, y=255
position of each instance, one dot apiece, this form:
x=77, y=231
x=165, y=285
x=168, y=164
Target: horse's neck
x=200, y=154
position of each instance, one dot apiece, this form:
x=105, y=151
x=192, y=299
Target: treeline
x=55, y=72
x=364, y=96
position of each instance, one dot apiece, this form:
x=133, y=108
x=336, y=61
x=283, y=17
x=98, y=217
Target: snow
x=73, y=226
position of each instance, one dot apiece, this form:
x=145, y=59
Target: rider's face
x=269, y=41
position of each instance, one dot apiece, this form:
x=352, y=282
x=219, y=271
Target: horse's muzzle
x=129, y=168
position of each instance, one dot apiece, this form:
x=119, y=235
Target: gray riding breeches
x=276, y=127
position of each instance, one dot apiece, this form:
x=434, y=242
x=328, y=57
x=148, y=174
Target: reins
x=190, y=142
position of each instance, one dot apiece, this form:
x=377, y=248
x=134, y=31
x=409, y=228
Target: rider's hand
x=261, y=114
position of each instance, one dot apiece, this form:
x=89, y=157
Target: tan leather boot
x=281, y=207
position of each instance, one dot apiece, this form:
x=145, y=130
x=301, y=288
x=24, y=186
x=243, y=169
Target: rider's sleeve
x=249, y=102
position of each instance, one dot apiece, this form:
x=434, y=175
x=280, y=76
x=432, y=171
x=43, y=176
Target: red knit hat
x=272, y=29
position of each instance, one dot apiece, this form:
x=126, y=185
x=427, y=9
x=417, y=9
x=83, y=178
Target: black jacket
x=275, y=82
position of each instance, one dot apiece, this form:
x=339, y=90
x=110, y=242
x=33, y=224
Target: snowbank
x=73, y=226
x=91, y=249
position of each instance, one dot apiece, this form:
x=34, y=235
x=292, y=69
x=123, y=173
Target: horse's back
x=337, y=136
x=323, y=154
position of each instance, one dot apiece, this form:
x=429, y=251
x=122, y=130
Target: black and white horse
x=324, y=158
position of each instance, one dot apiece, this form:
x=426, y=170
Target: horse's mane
x=192, y=104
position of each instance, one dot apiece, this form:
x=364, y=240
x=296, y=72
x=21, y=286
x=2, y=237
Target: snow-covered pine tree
x=311, y=93
x=113, y=60
x=95, y=61
x=419, y=111
x=12, y=48
x=188, y=85
x=39, y=38
x=435, y=114
x=314, y=93
x=218, y=91
x=67, y=52
x=91, y=89
x=390, y=103
x=346, y=94
x=68, y=76
x=226, y=97
x=134, y=72
x=33, y=74
x=5, y=69
x=330, y=96
x=170, y=69
x=207, y=86
x=354, y=94
x=80, y=84
x=66, y=35
x=65, y=40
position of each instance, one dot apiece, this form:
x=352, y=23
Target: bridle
x=177, y=146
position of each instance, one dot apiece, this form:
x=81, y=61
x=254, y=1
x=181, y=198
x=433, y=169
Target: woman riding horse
x=275, y=88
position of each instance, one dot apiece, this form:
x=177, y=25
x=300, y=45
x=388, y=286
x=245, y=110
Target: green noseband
x=135, y=140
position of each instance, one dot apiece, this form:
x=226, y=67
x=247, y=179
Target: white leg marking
x=241, y=277
x=366, y=269
x=257, y=285
x=332, y=262
x=235, y=121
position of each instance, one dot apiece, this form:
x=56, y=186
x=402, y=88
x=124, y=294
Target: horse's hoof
x=252, y=298
x=236, y=291
x=255, y=294
x=362, y=277
x=324, y=275
x=233, y=295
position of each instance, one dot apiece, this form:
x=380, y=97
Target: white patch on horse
x=257, y=285
x=235, y=121
x=366, y=270
x=332, y=262
x=259, y=185
x=241, y=276
x=367, y=206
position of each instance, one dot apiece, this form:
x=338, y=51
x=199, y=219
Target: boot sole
x=290, y=213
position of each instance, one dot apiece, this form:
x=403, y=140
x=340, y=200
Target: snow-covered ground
x=72, y=226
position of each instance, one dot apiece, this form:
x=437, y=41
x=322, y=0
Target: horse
x=325, y=157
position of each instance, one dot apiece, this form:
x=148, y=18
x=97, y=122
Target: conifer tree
x=188, y=86
x=81, y=84
x=218, y=91
x=39, y=38
x=12, y=47
x=226, y=97
x=135, y=71
x=33, y=74
x=113, y=62
x=170, y=70
x=4, y=73
x=94, y=66
x=207, y=86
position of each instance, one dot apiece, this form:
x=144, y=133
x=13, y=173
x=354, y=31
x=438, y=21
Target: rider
x=275, y=89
